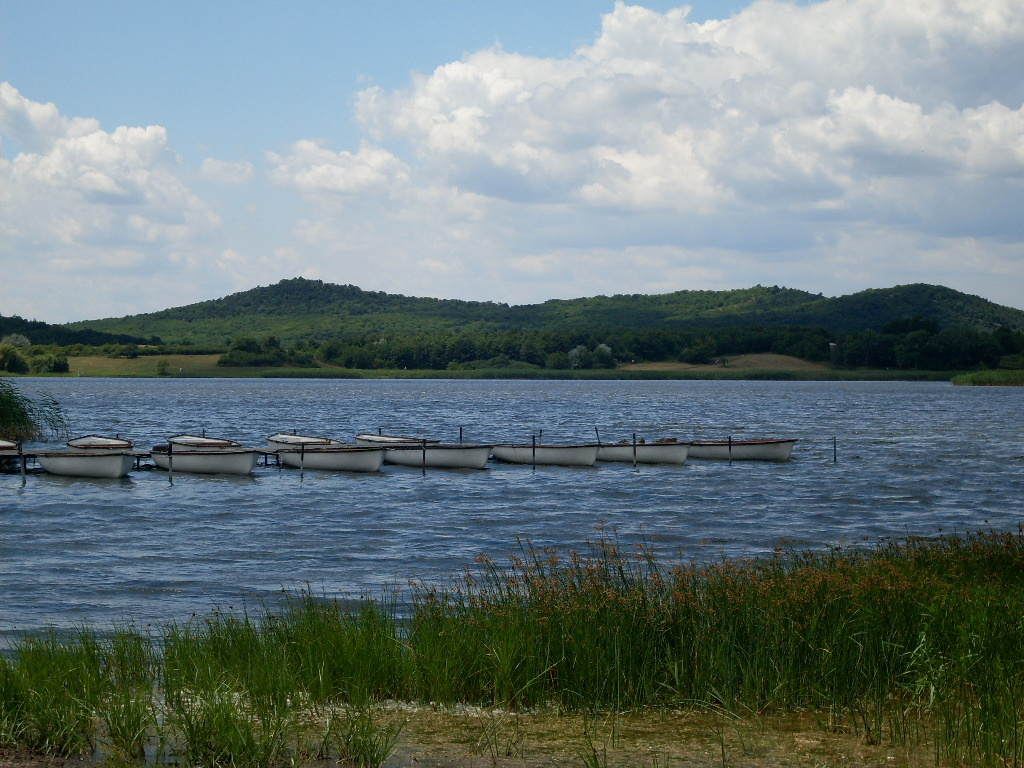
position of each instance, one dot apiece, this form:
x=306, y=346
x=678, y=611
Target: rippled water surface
x=912, y=459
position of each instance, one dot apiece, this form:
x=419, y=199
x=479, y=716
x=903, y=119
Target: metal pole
x=598, y=433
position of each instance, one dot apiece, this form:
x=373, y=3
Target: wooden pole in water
x=730, y=449
x=21, y=455
x=423, y=448
x=835, y=449
x=302, y=459
x=634, y=450
x=533, y=450
x=170, y=461
x=460, y=435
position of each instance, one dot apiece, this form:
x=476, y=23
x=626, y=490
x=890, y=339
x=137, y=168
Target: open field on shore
x=903, y=653
x=759, y=366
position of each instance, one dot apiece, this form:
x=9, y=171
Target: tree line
x=910, y=343
x=913, y=343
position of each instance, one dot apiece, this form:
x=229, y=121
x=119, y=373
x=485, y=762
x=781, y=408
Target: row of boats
x=112, y=457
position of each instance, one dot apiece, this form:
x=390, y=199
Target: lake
x=913, y=458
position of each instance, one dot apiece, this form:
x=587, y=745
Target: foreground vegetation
x=23, y=418
x=912, y=645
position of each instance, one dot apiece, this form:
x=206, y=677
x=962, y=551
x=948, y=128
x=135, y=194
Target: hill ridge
x=300, y=308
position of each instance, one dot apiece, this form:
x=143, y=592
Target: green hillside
x=310, y=309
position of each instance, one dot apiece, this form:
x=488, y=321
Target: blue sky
x=160, y=153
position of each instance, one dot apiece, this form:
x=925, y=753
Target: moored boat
x=76, y=463
x=582, y=455
x=90, y=456
x=309, y=452
x=661, y=452
x=204, y=455
x=428, y=452
x=439, y=455
x=368, y=438
x=742, y=450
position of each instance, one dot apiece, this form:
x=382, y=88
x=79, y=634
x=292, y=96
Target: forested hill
x=38, y=332
x=311, y=309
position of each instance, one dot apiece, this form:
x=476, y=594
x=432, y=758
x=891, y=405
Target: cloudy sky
x=160, y=153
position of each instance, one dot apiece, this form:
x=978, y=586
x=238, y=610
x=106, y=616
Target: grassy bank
x=995, y=378
x=767, y=367
x=907, y=648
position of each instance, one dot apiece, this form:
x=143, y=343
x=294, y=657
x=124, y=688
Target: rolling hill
x=307, y=309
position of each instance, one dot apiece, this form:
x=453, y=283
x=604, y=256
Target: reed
x=914, y=643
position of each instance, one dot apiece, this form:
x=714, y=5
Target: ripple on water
x=145, y=548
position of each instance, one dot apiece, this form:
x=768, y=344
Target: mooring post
x=634, y=450
x=423, y=448
x=460, y=435
x=533, y=450
x=730, y=449
x=835, y=449
x=170, y=462
x=21, y=455
x=302, y=459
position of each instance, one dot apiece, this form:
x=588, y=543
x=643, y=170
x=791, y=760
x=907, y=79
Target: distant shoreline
x=754, y=367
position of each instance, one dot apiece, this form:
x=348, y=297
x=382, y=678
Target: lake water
x=912, y=459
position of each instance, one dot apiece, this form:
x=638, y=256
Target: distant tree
x=11, y=360
x=15, y=340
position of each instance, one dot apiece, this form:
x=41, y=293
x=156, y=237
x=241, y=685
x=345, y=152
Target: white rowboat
x=204, y=455
x=368, y=438
x=78, y=463
x=645, y=453
x=584, y=455
x=428, y=452
x=439, y=455
x=308, y=452
x=742, y=450
x=90, y=456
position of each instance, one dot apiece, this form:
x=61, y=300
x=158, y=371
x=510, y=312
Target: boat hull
x=439, y=456
x=556, y=455
x=351, y=459
x=742, y=450
x=110, y=464
x=646, y=453
x=223, y=462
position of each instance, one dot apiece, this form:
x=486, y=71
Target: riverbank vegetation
x=908, y=649
x=24, y=418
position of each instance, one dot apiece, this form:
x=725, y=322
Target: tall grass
x=908, y=642
x=24, y=418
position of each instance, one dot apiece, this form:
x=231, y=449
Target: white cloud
x=313, y=170
x=83, y=207
x=223, y=172
x=831, y=146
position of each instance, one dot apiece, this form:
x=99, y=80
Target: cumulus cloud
x=831, y=146
x=91, y=207
x=223, y=172
x=775, y=133
x=311, y=169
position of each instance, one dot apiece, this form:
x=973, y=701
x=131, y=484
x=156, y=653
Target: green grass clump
x=913, y=642
x=997, y=378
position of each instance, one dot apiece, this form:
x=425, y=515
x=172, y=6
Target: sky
x=154, y=154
